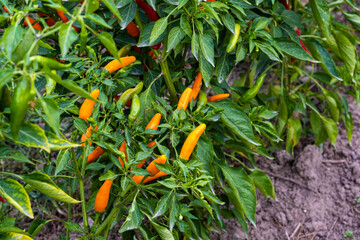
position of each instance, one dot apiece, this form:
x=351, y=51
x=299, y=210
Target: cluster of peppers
x=131, y=95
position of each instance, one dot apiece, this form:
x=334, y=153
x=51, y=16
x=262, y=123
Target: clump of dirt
x=317, y=192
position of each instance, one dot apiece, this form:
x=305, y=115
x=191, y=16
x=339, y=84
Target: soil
x=317, y=191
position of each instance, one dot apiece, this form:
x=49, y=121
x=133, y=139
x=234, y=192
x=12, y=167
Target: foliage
x=53, y=55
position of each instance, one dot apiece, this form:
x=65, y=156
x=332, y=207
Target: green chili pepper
x=125, y=50
x=50, y=63
x=128, y=94
x=83, y=38
x=5, y=99
x=202, y=100
x=233, y=39
x=135, y=109
x=251, y=93
x=50, y=83
x=24, y=92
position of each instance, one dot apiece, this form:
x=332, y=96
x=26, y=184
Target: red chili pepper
x=301, y=42
x=152, y=14
x=1, y=199
x=50, y=21
x=286, y=3
x=136, y=49
x=148, y=10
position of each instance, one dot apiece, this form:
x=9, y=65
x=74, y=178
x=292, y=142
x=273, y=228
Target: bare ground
x=317, y=192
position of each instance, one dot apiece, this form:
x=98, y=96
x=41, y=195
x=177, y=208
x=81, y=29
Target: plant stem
x=69, y=214
x=82, y=193
x=170, y=85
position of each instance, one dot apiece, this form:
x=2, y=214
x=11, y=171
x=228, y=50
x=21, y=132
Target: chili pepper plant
x=123, y=112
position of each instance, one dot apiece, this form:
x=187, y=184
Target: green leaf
x=163, y=232
x=293, y=49
x=159, y=29
x=229, y=22
x=206, y=70
x=73, y=227
x=18, y=156
x=174, y=38
x=24, y=46
x=11, y=38
x=163, y=204
x=67, y=36
x=347, y=51
x=185, y=25
x=70, y=85
x=293, y=134
x=14, y=193
x=51, y=110
x=243, y=190
x=30, y=135
x=62, y=160
x=45, y=185
x=109, y=175
x=325, y=61
x=112, y=7
x=128, y=14
x=195, y=45
x=144, y=40
x=57, y=143
x=174, y=212
x=108, y=41
x=235, y=119
x=263, y=183
x=133, y=219
x=321, y=13
x=37, y=225
x=97, y=19
x=207, y=48
x=14, y=236
x=224, y=66
x=331, y=129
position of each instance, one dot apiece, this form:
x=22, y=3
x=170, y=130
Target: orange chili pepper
x=138, y=178
x=196, y=86
x=123, y=149
x=218, y=97
x=191, y=141
x=152, y=54
x=102, y=197
x=87, y=135
x=33, y=23
x=98, y=151
x=88, y=105
x=154, y=122
x=185, y=99
x=152, y=167
x=132, y=29
x=116, y=65
x=151, y=144
x=65, y=19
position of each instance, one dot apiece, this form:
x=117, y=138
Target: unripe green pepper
x=233, y=39
x=125, y=50
x=5, y=100
x=252, y=92
x=24, y=92
x=135, y=109
x=50, y=63
x=202, y=100
x=128, y=94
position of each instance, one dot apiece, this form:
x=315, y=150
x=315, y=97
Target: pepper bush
x=133, y=60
